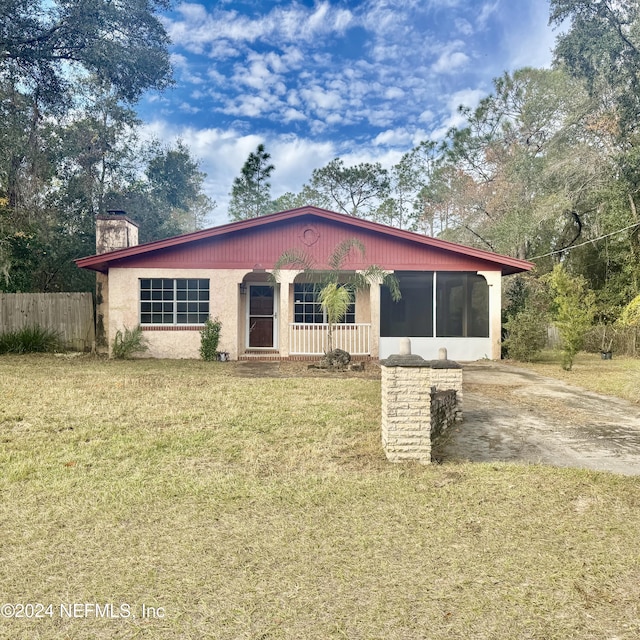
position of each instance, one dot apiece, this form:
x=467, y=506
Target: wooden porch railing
x=311, y=339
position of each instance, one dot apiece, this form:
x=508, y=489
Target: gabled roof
x=102, y=262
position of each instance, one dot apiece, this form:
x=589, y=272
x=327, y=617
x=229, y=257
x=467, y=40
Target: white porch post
x=374, y=301
x=494, y=280
x=284, y=311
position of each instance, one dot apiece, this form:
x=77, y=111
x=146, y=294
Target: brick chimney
x=115, y=231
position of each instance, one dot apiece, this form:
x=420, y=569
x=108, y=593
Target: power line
x=575, y=246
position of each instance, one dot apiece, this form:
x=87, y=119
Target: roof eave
x=100, y=262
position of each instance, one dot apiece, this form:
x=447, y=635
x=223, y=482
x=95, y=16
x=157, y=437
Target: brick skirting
x=275, y=357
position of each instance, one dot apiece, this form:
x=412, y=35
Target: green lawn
x=258, y=508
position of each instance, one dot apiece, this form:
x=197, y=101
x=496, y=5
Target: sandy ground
x=513, y=414
x=516, y=414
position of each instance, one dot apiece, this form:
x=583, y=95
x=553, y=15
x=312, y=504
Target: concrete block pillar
x=446, y=375
x=406, y=408
x=415, y=409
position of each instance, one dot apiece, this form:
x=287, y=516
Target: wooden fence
x=625, y=341
x=70, y=314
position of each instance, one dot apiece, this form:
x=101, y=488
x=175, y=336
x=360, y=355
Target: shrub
x=574, y=311
x=33, y=339
x=127, y=344
x=209, y=338
x=526, y=335
x=630, y=316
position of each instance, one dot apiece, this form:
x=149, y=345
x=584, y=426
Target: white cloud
x=529, y=42
x=291, y=115
x=394, y=93
x=394, y=70
x=450, y=62
x=222, y=153
x=381, y=17
x=466, y=98
x=464, y=26
x=188, y=108
x=250, y=106
x=317, y=20
x=319, y=99
x=295, y=159
x=440, y=4
x=183, y=68
x=193, y=12
x=386, y=158
x=393, y=137
x=342, y=20
x=335, y=118
x=198, y=30
x=426, y=116
x=488, y=9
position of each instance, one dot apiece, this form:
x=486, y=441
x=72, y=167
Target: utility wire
x=575, y=246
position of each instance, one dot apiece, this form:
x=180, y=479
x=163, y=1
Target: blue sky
x=365, y=81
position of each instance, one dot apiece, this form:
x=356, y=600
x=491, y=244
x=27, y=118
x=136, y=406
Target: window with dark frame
x=307, y=308
x=174, y=300
x=462, y=306
x=412, y=315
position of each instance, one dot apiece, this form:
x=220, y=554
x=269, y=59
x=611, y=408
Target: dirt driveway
x=513, y=414
x=516, y=414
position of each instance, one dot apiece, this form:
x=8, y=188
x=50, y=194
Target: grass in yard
x=263, y=508
x=617, y=377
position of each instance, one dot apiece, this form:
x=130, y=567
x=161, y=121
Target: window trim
x=174, y=301
x=350, y=316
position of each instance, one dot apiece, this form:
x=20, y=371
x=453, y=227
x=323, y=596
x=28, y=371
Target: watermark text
x=79, y=610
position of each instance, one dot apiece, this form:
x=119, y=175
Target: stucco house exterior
x=451, y=294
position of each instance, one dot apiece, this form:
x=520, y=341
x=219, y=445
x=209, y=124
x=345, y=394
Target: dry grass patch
x=617, y=377
x=549, y=406
x=257, y=508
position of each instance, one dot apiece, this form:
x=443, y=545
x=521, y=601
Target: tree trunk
x=634, y=239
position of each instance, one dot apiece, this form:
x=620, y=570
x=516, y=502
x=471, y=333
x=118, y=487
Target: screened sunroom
x=438, y=309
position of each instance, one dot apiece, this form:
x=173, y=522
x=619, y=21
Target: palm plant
x=336, y=286
x=335, y=300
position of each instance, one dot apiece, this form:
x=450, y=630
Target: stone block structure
x=113, y=231
x=420, y=401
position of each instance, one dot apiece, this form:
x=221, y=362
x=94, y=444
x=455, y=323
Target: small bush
x=526, y=335
x=209, y=338
x=33, y=339
x=574, y=311
x=630, y=316
x=127, y=344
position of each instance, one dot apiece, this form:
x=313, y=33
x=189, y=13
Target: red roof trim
x=101, y=262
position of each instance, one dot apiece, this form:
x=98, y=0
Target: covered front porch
x=456, y=310
x=284, y=320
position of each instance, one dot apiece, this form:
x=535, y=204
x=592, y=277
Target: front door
x=262, y=323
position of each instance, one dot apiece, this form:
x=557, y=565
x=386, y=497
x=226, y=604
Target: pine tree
x=251, y=191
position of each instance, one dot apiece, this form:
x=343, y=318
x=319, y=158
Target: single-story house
x=451, y=294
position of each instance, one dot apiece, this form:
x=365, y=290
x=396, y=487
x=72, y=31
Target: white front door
x=262, y=316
